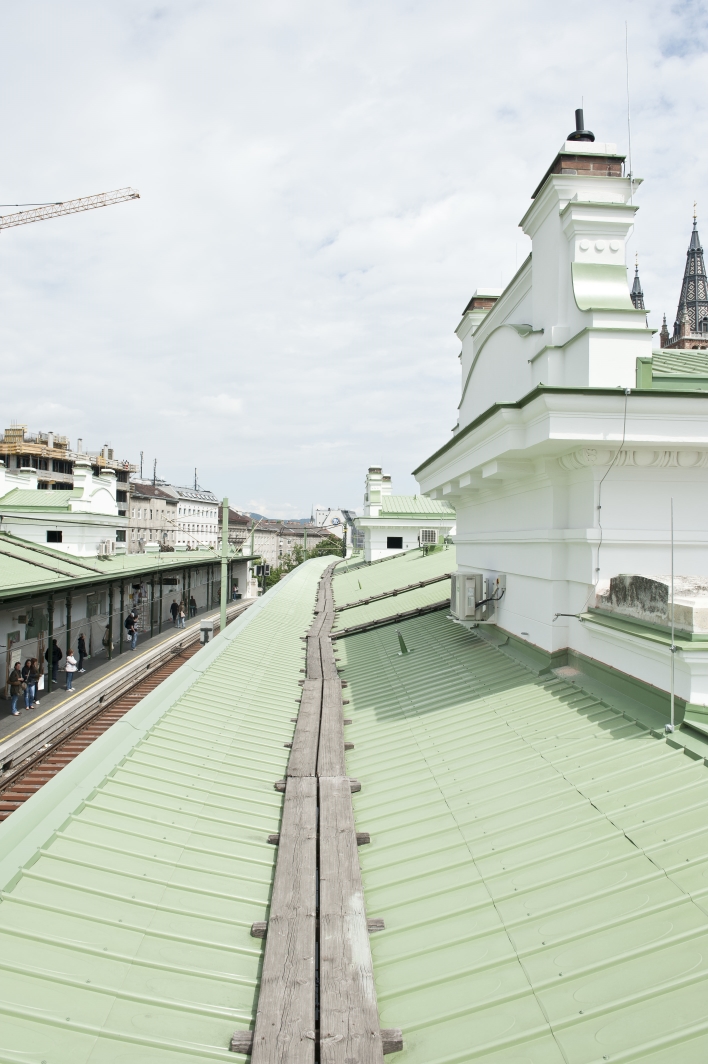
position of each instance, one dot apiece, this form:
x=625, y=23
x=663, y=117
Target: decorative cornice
x=640, y=458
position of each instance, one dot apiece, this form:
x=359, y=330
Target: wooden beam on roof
x=285, y=1016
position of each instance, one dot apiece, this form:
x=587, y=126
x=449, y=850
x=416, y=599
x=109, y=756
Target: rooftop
x=537, y=851
x=28, y=499
x=413, y=506
x=28, y=568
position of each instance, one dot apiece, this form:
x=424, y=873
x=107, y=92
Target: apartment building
x=153, y=516
x=53, y=458
x=174, y=517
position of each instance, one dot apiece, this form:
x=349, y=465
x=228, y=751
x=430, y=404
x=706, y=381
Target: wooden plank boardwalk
x=317, y=859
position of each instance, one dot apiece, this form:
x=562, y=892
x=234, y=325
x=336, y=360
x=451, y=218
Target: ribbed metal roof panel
x=132, y=878
x=28, y=568
x=680, y=363
x=395, y=572
x=415, y=505
x=401, y=603
x=538, y=859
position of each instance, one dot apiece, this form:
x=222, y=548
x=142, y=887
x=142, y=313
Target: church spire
x=636, y=295
x=692, y=312
x=664, y=334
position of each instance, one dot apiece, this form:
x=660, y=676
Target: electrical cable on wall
x=593, y=590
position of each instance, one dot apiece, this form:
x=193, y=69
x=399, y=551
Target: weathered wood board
x=349, y=1019
x=285, y=1017
x=303, y=756
x=330, y=758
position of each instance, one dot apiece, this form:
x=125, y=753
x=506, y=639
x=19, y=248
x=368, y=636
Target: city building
x=239, y=526
x=153, y=516
x=569, y=456
x=394, y=523
x=197, y=517
x=172, y=517
x=84, y=519
x=52, y=456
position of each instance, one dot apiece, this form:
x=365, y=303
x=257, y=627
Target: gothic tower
x=636, y=295
x=693, y=302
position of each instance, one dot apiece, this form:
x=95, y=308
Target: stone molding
x=640, y=458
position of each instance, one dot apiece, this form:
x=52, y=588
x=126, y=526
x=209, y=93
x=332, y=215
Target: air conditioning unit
x=474, y=597
x=106, y=547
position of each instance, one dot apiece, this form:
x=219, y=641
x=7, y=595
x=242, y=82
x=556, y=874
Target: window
x=120, y=535
x=132, y=512
x=394, y=542
x=428, y=535
x=54, y=537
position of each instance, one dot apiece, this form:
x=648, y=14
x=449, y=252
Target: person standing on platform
x=35, y=673
x=31, y=685
x=192, y=606
x=70, y=667
x=182, y=619
x=131, y=627
x=82, y=652
x=174, y=610
x=17, y=687
x=53, y=656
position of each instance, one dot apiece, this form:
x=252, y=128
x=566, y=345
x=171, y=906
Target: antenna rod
x=629, y=121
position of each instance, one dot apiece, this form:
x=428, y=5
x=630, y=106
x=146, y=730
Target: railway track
x=17, y=787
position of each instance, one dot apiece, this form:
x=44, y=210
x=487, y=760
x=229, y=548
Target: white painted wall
x=574, y=219
x=527, y=483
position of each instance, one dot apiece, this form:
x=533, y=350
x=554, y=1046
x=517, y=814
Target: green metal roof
x=130, y=881
x=30, y=568
x=25, y=499
x=397, y=571
x=538, y=859
x=407, y=600
x=678, y=363
x=414, y=506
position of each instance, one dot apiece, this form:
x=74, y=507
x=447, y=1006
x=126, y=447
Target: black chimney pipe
x=579, y=133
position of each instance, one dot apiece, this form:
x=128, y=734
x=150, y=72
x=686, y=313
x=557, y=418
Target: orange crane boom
x=56, y=210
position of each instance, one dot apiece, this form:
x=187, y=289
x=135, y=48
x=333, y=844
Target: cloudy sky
x=323, y=185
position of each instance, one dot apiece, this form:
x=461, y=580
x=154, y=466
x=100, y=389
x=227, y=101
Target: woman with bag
x=35, y=674
x=182, y=618
x=17, y=687
x=70, y=668
x=30, y=684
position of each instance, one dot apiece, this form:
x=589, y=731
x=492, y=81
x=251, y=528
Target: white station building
x=83, y=520
x=561, y=469
x=394, y=523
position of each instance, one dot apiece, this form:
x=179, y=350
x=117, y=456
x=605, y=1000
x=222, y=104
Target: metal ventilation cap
x=579, y=133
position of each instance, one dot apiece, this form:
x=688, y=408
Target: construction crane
x=56, y=210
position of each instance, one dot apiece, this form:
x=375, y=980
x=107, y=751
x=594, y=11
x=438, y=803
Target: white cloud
x=323, y=186
x=222, y=405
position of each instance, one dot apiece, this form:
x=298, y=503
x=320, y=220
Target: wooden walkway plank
x=349, y=1019
x=314, y=661
x=285, y=1017
x=330, y=757
x=303, y=757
